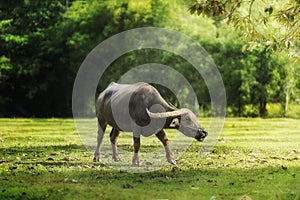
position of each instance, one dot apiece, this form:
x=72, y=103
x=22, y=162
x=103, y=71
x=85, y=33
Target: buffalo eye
x=187, y=119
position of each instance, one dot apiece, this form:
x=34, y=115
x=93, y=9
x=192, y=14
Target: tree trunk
x=287, y=99
x=263, y=108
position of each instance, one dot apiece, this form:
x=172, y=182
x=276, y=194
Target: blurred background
x=255, y=47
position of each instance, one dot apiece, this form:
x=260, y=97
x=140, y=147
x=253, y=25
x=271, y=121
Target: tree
x=43, y=44
x=42, y=47
x=30, y=69
x=252, y=79
x=272, y=23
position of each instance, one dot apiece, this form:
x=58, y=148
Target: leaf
x=269, y=10
x=275, y=157
x=244, y=48
x=29, y=167
x=13, y=167
x=252, y=154
x=287, y=44
x=74, y=181
x=212, y=198
x=149, y=163
x=284, y=167
x=18, y=159
x=65, y=159
x=263, y=161
x=245, y=198
x=127, y=186
x=86, y=166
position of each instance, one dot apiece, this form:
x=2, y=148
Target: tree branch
x=250, y=9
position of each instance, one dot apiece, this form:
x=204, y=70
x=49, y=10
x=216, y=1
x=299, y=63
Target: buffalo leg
x=101, y=130
x=163, y=138
x=113, y=139
x=136, y=145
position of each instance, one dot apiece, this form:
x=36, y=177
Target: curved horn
x=175, y=113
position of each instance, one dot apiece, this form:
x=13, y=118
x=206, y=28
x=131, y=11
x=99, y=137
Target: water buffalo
x=139, y=108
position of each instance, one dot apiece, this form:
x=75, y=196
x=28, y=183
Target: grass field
x=45, y=159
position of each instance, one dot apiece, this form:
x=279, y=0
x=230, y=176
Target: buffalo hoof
x=117, y=159
x=136, y=160
x=96, y=159
x=173, y=162
x=137, y=164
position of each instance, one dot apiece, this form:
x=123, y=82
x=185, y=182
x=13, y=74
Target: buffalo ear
x=174, y=123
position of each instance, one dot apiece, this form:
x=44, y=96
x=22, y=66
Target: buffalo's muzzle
x=201, y=134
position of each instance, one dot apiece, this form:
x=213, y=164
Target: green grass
x=45, y=159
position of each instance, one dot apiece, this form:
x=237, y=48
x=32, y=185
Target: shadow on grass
x=181, y=182
x=41, y=149
x=67, y=172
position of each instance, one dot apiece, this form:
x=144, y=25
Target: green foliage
x=43, y=44
x=293, y=110
x=262, y=22
x=275, y=110
x=24, y=39
x=252, y=79
x=6, y=70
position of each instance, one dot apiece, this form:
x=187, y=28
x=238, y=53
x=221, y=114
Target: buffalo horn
x=175, y=113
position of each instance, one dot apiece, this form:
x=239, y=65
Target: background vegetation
x=44, y=42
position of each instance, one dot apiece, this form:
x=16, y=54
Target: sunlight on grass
x=45, y=158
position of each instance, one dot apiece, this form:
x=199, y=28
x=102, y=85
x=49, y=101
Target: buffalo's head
x=185, y=121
